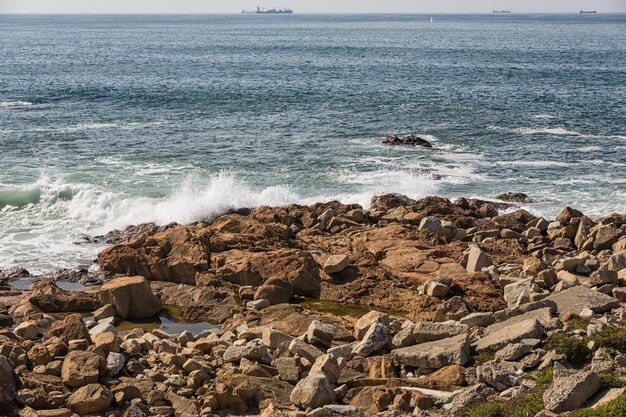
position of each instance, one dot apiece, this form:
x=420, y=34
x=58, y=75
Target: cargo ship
x=500, y=11
x=587, y=11
x=268, y=11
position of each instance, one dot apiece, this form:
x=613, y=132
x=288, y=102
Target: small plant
x=483, y=357
x=524, y=406
x=578, y=323
x=546, y=377
x=611, y=337
x=574, y=348
x=612, y=379
x=485, y=410
x=614, y=408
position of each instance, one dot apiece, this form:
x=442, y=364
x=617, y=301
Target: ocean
x=113, y=120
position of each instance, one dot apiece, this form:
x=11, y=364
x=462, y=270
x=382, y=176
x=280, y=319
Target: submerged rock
x=409, y=140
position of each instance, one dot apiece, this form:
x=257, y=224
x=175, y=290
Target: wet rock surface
x=425, y=307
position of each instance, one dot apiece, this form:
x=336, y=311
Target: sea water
x=113, y=120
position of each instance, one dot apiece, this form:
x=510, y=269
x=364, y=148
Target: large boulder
x=313, y=391
x=90, y=399
x=578, y=298
x=132, y=297
x=175, y=254
x=569, y=393
x=528, y=329
x=81, y=368
x=255, y=268
x=435, y=355
x=71, y=327
x=46, y=296
x=8, y=382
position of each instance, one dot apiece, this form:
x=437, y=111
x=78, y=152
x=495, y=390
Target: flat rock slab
x=435, y=355
x=569, y=393
x=543, y=315
x=578, y=298
x=527, y=329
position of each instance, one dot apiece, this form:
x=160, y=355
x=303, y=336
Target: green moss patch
x=574, y=348
x=614, y=408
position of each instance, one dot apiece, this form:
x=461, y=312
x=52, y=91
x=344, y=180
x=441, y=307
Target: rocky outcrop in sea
x=413, y=307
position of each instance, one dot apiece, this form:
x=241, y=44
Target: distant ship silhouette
x=268, y=11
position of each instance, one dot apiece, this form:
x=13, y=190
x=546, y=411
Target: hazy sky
x=305, y=6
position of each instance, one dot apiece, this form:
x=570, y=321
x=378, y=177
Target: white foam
x=558, y=131
x=15, y=103
x=536, y=164
x=547, y=130
x=589, y=149
x=544, y=116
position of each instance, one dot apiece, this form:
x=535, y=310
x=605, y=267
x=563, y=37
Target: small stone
x=376, y=338
x=104, y=312
x=477, y=260
x=312, y=392
x=336, y=263
x=27, y=330
x=90, y=399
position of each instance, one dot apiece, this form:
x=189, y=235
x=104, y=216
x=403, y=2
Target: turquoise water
x=107, y=121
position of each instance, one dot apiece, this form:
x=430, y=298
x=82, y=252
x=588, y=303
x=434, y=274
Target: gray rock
x=431, y=224
x=436, y=289
x=288, y=369
x=429, y=332
x=343, y=351
x=101, y=328
x=528, y=329
x=8, y=382
x=518, y=293
x=618, y=261
x=301, y=348
x=274, y=338
x=327, y=365
x=363, y=324
x=405, y=336
x=477, y=260
x=253, y=352
x=468, y=397
x=513, y=352
x=375, y=339
x=602, y=276
x=494, y=375
x=312, y=392
x=435, y=355
x=319, y=334
x=258, y=304
x=478, y=319
x=569, y=393
x=577, y=298
x=115, y=363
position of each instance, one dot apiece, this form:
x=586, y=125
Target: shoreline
x=425, y=306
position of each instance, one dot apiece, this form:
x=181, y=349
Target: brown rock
x=82, y=368
x=50, y=298
x=90, y=399
x=175, y=254
x=132, y=297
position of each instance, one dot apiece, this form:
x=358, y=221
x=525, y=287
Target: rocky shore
x=426, y=308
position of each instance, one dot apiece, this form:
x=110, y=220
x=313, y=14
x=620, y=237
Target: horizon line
x=296, y=13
